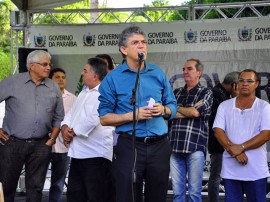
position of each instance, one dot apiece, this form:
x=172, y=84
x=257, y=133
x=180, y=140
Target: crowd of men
x=127, y=131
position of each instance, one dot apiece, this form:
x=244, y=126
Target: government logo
x=190, y=36
x=40, y=41
x=244, y=34
x=89, y=40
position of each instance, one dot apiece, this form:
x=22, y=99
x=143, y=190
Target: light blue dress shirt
x=116, y=93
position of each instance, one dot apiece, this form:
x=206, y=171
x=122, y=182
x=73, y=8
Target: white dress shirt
x=92, y=139
x=68, y=101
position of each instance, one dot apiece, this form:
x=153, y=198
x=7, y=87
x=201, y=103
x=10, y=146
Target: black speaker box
x=23, y=53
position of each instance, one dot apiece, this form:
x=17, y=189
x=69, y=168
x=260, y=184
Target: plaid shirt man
x=188, y=135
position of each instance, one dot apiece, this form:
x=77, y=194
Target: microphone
x=140, y=55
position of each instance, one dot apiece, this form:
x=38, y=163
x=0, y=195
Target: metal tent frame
x=20, y=21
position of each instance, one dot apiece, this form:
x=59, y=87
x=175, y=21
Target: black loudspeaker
x=23, y=53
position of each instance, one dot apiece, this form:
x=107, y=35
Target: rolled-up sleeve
x=206, y=98
x=107, y=98
x=169, y=99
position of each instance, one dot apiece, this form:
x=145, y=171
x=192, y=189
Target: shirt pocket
x=48, y=101
x=87, y=111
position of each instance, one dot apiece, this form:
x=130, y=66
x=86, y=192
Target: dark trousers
x=214, y=178
x=90, y=180
x=152, y=170
x=255, y=190
x=35, y=155
x=59, y=168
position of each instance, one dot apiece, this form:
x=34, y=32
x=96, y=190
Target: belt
x=11, y=137
x=146, y=140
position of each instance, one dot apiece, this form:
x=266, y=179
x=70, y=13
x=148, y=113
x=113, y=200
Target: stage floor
x=20, y=197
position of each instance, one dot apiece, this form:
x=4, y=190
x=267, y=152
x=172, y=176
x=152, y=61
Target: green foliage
x=79, y=86
x=213, y=14
x=5, y=64
x=230, y=12
x=223, y=1
x=155, y=16
x=5, y=6
x=5, y=59
x=64, y=17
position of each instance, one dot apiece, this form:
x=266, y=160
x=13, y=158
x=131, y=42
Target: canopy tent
x=41, y=4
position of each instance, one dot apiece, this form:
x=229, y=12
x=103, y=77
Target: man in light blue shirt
x=152, y=146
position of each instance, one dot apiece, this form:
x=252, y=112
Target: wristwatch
x=53, y=140
x=243, y=147
x=164, y=111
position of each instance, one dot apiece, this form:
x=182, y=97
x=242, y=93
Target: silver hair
x=35, y=55
x=231, y=77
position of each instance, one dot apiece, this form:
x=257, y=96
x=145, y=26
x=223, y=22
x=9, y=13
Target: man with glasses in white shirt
x=242, y=126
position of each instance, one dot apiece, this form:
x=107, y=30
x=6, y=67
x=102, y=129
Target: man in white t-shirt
x=242, y=126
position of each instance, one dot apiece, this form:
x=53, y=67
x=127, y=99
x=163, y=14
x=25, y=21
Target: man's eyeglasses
x=136, y=43
x=246, y=80
x=45, y=64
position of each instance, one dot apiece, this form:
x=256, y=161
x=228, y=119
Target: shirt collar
x=93, y=89
x=66, y=93
x=28, y=78
x=147, y=67
x=194, y=88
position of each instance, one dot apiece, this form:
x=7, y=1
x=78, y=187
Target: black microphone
x=141, y=55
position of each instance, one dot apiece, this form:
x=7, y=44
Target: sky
x=136, y=3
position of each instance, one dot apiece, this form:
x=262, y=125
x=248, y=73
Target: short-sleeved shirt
x=116, y=93
x=31, y=110
x=240, y=127
x=188, y=135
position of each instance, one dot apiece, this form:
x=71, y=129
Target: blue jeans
x=255, y=190
x=187, y=165
x=214, y=178
x=59, y=167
